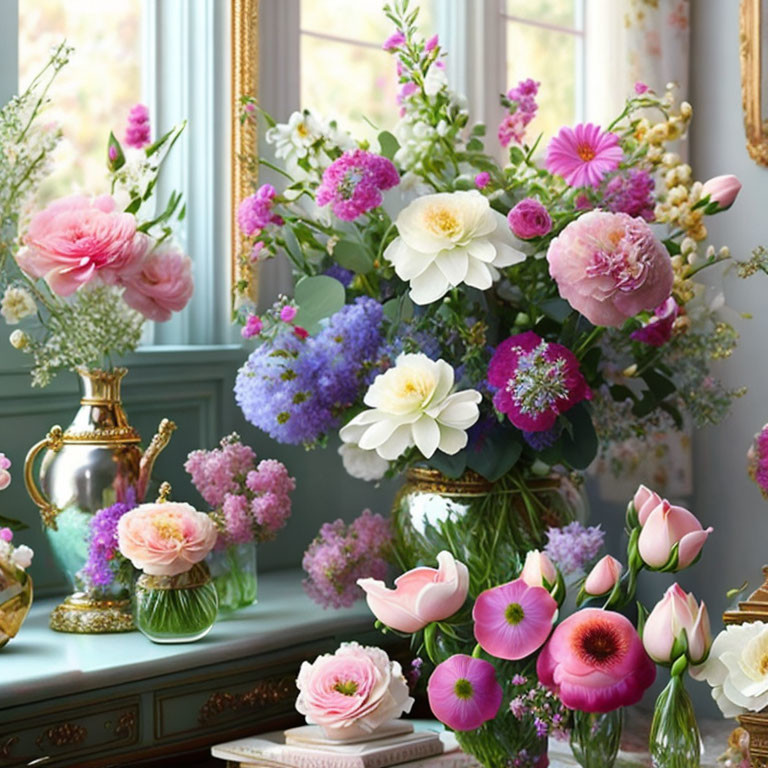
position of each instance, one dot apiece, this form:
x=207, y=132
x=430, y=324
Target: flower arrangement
x=444, y=299
x=83, y=275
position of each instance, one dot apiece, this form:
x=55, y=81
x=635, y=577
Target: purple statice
x=341, y=554
x=256, y=211
x=137, y=132
x=222, y=470
x=337, y=272
x=757, y=460
x=104, y=556
x=573, y=547
x=630, y=192
x=353, y=184
x=295, y=389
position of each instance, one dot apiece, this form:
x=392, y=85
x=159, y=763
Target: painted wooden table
x=103, y=700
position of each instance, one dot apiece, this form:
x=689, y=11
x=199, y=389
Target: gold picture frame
x=245, y=82
x=756, y=129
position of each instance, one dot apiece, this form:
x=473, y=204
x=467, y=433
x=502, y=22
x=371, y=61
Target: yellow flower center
x=302, y=130
x=442, y=221
x=585, y=152
x=168, y=528
x=414, y=385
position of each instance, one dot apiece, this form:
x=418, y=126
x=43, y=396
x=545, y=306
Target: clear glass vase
x=505, y=742
x=176, y=609
x=595, y=738
x=235, y=575
x=675, y=739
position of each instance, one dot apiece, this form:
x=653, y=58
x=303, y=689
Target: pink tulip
x=675, y=613
x=603, y=577
x=665, y=527
x=420, y=596
x=538, y=570
x=722, y=190
x=645, y=502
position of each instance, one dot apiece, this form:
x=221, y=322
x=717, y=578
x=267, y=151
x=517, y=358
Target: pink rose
x=353, y=691
x=671, y=537
x=76, y=239
x=420, y=596
x=645, y=501
x=529, y=218
x=165, y=539
x=609, y=267
x=161, y=285
x=538, y=570
x=722, y=190
x=603, y=577
x=675, y=613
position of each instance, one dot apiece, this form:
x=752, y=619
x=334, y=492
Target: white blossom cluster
x=16, y=304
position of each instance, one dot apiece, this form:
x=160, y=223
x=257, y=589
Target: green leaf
x=119, y=161
x=14, y=525
x=620, y=393
x=557, y=309
x=399, y=309
x=498, y=453
x=579, y=448
x=317, y=297
x=134, y=205
x=352, y=256
x=478, y=129
x=591, y=362
x=659, y=385
x=474, y=145
x=450, y=466
x=672, y=247
x=463, y=183
x=516, y=155
x=388, y=144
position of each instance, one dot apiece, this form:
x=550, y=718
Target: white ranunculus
x=364, y=465
x=412, y=404
x=448, y=239
x=22, y=556
x=17, y=304
x=737, y=669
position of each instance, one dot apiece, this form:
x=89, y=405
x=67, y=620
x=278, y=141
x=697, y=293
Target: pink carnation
x=584, y=154
x=137, y=134
x=162, y=285
x=610, y=267
x=529, y=218
x=256, y=211
x=76, y=239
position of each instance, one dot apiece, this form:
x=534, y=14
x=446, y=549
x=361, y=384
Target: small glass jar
x=596, y=737
x=234, y=575
x=176, y=609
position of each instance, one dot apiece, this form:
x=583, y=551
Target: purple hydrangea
x=631, y=192
x=573, y=547
x=103, y=555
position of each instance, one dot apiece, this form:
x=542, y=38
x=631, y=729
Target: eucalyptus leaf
x=388, y=144
x=558, y=309
x=399, y=309
x=352, y=256
x=450, y=466
x=496, y=454
x=317, y=297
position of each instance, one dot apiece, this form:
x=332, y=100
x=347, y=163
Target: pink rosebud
x=603, y=577
x=645, y=502
x=482, y=179
x=6, y=534
x=250, y=107
x=256, y=252
x=302, y=333
x=253, y=327
x=722, y=190
x=641, y=88
x=431, y=44
x=538, y=570
x=394, y=41
x=287, y=313
x=675, y=613
x=420, y=596
x=112, y=153
x=529, y=218
x=667, y=527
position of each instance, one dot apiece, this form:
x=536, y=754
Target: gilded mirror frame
x=244, y=25
x=750, y=53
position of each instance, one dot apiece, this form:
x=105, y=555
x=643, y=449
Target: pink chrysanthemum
x=137, y=133
x=757, y=460
x=463, y=692
x=584, y=154
x=536, y=381
x=255, y=212
x=513, y=620
x=353, y=184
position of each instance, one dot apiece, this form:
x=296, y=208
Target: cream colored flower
x=411, y=404
x=448, y=239
x=17, y=304
x=19, y=339
x=364, y=465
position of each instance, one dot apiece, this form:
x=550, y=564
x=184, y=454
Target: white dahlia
x=448, y=239
x=412, y=404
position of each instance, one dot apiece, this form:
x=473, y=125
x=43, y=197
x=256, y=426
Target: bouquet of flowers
x=465, y=314
x=85, y=273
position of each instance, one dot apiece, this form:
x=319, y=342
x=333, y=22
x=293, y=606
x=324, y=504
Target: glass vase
x=675, y=739
x=234, y=575
x=596, y=737
x=505, y=742
x=176, y=609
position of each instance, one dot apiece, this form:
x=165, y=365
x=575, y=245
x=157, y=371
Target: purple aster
x=573, y=547
x=631, y=192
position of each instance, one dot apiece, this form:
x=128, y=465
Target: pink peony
x=603, y=576
x=513, y=620
x=595, y=662
x=584, y=154
x=165, y=539
x=529, y=218
x=658, y=330
x=671, y=538
x=162, y=284
x=76, y=239
x=536, y=381
x=420, y=596
x=353, y=691
x=609, y=267
x=463, y=692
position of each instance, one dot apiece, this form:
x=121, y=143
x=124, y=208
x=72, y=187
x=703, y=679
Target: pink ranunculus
x=529, y=218
x=610, y=266
x=161, y=285
x=675, y=613
x=353, y=691
x=165, y=539
x=538, y=570
x=595, y=662
x=420, y=596
x=78, y=238
x=603, y=577
x=463, y=692
x=722, y=190
x=668, y=527
x=645, y=501
x=658, y=330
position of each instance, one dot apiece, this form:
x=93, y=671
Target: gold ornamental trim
x=264, y=693
x=121, y=435
x=62, y=735
x=197, y=576
x=81, y=615
x=755, y=128
x=434, y=481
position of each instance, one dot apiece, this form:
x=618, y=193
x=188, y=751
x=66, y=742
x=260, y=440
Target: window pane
x=562, y=13
x=552, y=58
x=93, y=93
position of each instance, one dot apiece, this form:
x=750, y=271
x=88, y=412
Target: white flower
x=364, y=465
x=450, y=238
x=294, y=138
x=19, y=339
x=22, y=556
x=17, y=304
x=435, y=79
x=411, y=404
x=737, y=669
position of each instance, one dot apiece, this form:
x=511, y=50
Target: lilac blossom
x=573, y=547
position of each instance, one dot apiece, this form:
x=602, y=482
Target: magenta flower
x=137, y=133
x=529, y=218
x=353, y=184
x=255, y=212
x=584, y=154
x=6, y=534
x=253, y=327
x=536, y=381
x=513, y=620
x=630, y=192
x=482, y=179
x=641, y=88
x=658, y=330
x=757, y=460
x=463, y=692
x=431, y=44
x=394, y=41
x=288, y=313
x=595, y=662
